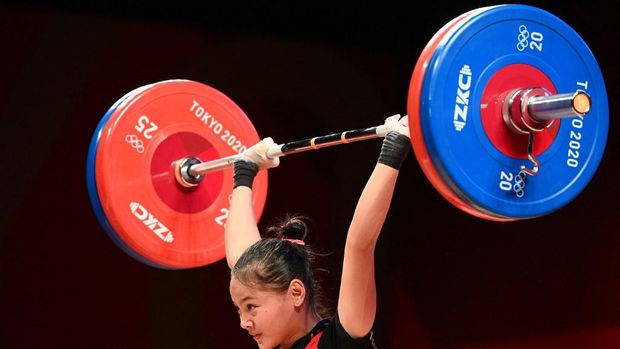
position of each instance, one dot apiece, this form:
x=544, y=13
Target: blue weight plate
x=482, y=212
x=413, y=110
x=462, y=152
x=91, y=178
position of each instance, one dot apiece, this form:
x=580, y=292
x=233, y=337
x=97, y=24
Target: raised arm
x=357, y=300
x=241, y=230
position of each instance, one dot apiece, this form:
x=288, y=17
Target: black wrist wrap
x=394, y=149
x=245, y=171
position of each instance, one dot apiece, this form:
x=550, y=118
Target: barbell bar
x=189, y=172
x=540, y=109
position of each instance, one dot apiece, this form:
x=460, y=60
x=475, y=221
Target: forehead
x=237, y=287
x=241, y=293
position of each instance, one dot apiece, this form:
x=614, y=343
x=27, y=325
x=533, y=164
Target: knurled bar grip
x=294, y=147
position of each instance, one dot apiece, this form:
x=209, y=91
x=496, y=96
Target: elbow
x=362, y=247
x=231, y=259
x=231, y=264
x=362, y=242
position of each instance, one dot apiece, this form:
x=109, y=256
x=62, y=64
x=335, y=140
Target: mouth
x=257, y=337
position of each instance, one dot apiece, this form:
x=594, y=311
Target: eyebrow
x=246, y=298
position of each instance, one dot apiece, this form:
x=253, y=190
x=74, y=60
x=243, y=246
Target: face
x=267, y=315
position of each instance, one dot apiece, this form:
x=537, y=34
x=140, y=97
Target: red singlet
x=314, y=342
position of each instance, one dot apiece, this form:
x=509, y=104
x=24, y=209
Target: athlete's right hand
x=398, y=124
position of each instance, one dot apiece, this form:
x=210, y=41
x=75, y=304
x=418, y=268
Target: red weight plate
x=165, y=223
x=413, y=110
x=92, y=180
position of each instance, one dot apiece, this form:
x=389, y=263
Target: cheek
x=283, y=315
x=277, y=316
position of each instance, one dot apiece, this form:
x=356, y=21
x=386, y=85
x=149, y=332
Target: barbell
x=507, y=111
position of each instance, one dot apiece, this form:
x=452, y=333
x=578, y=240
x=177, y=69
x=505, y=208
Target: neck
x=302, y=328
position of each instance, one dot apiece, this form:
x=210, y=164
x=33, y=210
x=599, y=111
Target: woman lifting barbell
x=485, y=124
x=272, y=283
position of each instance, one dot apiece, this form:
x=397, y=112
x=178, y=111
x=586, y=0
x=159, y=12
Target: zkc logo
x=151, y=222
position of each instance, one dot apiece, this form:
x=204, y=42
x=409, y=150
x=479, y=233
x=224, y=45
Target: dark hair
x=273, y=262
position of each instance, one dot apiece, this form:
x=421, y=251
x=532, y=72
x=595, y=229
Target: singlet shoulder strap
x=314, y=342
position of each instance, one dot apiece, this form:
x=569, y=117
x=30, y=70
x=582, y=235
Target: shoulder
x=335, y=336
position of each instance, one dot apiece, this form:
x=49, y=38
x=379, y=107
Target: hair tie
x=296, y=241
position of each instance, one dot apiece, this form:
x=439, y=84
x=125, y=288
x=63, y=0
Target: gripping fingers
x=398, y=124
x=258, y=154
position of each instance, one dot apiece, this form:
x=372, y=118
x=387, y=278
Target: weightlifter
x=272, y=279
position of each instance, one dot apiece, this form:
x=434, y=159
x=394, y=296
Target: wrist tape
x=245, y=171
x=394, y=149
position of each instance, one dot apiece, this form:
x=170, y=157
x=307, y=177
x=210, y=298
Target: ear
x=297, y=292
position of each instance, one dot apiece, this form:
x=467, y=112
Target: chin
x=262, y=344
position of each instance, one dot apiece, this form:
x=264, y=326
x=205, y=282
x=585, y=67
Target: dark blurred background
x=298, y=69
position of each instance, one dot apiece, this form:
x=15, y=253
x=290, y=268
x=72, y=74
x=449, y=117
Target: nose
x=244, y=323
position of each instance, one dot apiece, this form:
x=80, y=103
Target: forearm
x=241, y=230
x=372, y=208
x=358, y=300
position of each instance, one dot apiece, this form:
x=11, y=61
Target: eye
x=250, y=307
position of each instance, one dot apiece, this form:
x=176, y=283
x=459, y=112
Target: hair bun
x=292, y=227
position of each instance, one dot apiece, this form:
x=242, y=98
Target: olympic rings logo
x=519, y=186
x=135, y=143
x=523, y=37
